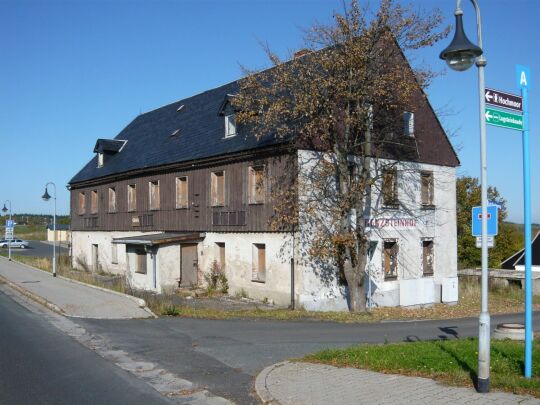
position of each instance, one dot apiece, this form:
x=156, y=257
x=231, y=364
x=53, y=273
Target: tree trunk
x=355, y=281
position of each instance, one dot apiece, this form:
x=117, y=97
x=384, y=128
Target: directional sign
x=505, y=100
x=492, y=220
x=504, y=119
x=10, y=223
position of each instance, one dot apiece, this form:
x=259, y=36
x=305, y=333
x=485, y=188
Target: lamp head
x=461, y=53
x=4, y=210
x=46, y=196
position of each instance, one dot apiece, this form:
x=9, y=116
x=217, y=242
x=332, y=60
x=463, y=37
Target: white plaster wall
x=239, y=262
x=438, y=224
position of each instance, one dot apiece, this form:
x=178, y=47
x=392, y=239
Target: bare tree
x=342, y=95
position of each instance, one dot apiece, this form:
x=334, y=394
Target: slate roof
x=201, y=135
x=108, y=145
x=59, y=227
x=518, y=258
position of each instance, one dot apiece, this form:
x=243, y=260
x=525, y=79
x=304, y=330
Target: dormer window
x=100, y=159
x=230, y=125
x=107, y=148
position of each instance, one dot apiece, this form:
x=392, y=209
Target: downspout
x=292, y=269
x=154, y=267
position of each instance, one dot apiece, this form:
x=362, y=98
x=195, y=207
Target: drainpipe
x=154, y=267
x=292, y=270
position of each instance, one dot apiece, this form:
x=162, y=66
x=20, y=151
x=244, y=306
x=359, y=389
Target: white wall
x=438, y=223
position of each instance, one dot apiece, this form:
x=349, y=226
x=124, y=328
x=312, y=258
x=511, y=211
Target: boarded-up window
x=390, y=259
x=114, y=253
x=112, y=199
x=82, y=203
x=259, y=262
x=140, y=261
x=427, y=257
x=182, y=192
x=427, y=188
x=256, y=185
x=221, y=254
x=408, y=123
x=389, y=188
x=94, y=202
x=132, y=197
x=153, y=194
x=218, y=188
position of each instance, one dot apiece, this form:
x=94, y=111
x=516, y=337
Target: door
x=188, y=265
x=95, y=258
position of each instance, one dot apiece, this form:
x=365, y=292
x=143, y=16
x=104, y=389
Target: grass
x=449, y=361
x=502, y=300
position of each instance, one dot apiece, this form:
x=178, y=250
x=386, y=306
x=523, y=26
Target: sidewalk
x=71, y=298
x=314, y=384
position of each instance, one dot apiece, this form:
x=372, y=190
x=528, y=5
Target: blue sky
x=74, y=71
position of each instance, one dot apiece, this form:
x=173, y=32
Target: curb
x=260, y=384
x=33, y=297
x=139, y=301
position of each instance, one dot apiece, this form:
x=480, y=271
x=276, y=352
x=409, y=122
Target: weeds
x=216, y=280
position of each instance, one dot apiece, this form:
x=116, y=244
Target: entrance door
x=188, y=265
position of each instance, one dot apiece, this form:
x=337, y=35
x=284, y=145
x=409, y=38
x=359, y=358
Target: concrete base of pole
x=483, y=385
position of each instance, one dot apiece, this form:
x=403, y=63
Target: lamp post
x=460, y=55
x=4, y=210
x=47, y=197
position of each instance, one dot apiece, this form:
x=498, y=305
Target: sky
x=73, y=71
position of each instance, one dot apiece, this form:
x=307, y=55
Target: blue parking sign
x=492, y=220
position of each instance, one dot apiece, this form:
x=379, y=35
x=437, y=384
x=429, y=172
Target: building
x=180, y=188
x=517, y=260
x=63, y=233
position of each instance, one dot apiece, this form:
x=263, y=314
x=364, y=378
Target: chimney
x=301, y=52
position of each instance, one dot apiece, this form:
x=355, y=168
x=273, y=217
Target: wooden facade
x=237, y=212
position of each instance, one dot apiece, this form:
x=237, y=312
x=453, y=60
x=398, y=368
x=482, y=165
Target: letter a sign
x=523, y=76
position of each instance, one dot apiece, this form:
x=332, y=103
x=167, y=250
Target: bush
x=216, y=279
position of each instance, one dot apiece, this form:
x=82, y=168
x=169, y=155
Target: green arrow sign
x=504, y=119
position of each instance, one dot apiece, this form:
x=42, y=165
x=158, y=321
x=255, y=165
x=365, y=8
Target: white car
x=14, y=243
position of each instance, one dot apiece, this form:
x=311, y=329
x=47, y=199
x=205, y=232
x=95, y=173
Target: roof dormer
x=227, y=111
x=106, y=148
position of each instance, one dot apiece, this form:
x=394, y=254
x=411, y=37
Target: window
x=390, y=256
x=221, y=254
x=112, y=199
x=389, y=188
x=427, y=188
x=182, y=192
x=94, y=202
x=427, y=257
x=256, y=185
x=82, y=203
x=114, y=253
x=218, y=188
x=230, y=125
x=132, y=197
x=259, y=262
x=153, y=194
x=100, y=159
x=408, y=123
x=140, y=261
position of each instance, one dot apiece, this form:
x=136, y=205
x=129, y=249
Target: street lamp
x=4, y=210
x=47, y=197
x=460, y=55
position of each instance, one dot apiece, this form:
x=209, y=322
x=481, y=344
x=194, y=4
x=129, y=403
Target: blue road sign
x=10, y=223
x=492, y=220
x=523, y=77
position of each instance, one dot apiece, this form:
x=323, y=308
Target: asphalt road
x=225, y=356
x=38, y=249
x=41, y=365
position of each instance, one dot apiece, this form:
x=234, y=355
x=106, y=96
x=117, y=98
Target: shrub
x=216, y=280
